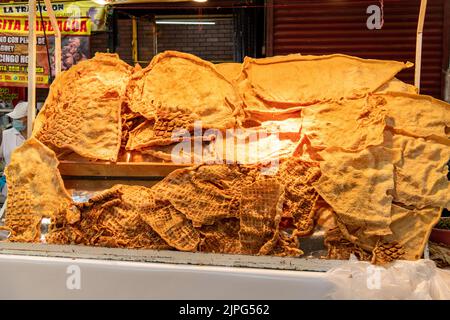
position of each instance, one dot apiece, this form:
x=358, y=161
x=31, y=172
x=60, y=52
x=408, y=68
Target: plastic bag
x=400, y=280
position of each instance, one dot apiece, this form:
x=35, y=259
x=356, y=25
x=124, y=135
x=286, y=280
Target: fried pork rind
x=130, y=121
x=384, y=253
x=381, y=182
x=192, y=152
x=397, y=187
x=253, y=146
x=222, y=237
x=243, y=146
x=300, y=196
x=167, y=128
x=339, y=248
x=230, y=71
x=325, y=216
x=414, y=115
x=203, y=194
x=141, y=136
x=172, y=226
x=410, y=231
x=83, y=109
x=396, y=85
x=421, y=172
x=311, y=79
x=261, y=207
x=182, y=82
x=35, y=190
x=346, y=124
x=207, y=195
x=109, y=219
x=358, y=186
x=411, y=228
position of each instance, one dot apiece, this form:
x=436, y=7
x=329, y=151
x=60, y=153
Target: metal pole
x=134, y=40
x=155, y=36
x=31, y=66
x=423, y=9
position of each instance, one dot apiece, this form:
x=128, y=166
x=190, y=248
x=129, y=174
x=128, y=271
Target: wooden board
x=165, y=256
x=100, y=175
x=119, y=169
x=91, y=184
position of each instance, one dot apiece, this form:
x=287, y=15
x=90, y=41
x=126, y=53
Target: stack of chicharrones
x=355, y=152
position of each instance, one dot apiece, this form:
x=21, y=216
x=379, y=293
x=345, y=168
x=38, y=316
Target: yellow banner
x=19, y=26
x=96, y=13
x=22, y=79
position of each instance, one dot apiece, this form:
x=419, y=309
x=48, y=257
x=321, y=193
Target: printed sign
x=14, y=48
x=75, y=10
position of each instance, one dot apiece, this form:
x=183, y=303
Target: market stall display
x=182, y=83
x=230, y=70
x=83, y=109
x=35, y=190
x=281, y=84
x=364, y=164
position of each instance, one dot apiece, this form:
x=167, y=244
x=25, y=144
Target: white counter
x=34, y=277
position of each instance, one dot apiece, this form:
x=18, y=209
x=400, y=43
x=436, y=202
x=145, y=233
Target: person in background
x=13, y=137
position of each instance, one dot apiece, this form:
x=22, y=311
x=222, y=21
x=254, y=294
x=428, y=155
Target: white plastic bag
x=400, y=280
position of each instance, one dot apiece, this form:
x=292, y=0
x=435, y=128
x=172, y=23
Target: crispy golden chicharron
x=346, y=124
x=111, y=218
x=231, y=71
x=83, y=109
x=414, y=115
x=353, y=150
x=285, y=83
x=35, y=190
x=181, y=82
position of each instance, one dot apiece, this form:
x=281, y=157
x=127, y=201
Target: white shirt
x=10, y=141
